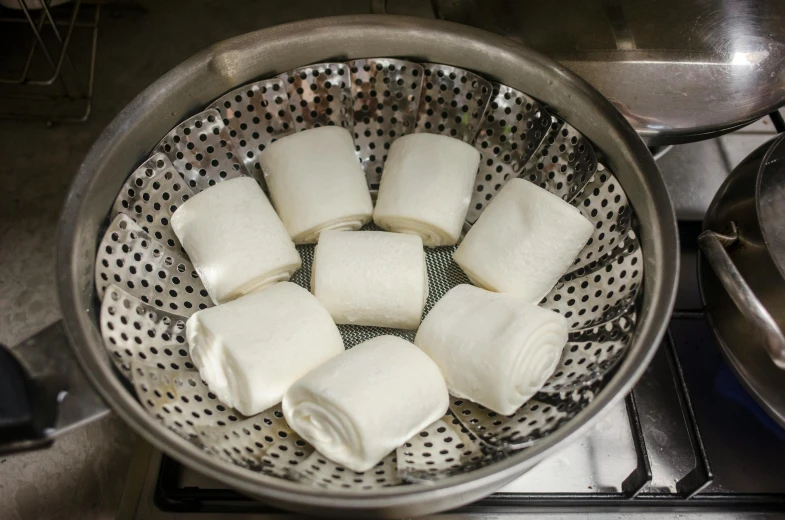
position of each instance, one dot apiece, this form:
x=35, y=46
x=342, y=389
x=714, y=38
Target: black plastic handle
x=43, y=391
x=24, y=418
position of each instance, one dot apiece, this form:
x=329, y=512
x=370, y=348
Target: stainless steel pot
x=224, y=66
x=742, y=274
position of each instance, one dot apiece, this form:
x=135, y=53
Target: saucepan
x=577, y=145
x=742, y=273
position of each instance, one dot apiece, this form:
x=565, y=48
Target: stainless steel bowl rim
x=231, y=63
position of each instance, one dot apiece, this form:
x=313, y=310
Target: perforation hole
x=200, y=155
x=458, y=115
x=141, y=267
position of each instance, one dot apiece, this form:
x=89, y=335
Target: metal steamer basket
x=526, y=115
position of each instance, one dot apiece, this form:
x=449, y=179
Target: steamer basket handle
x=43, y=392
x=714, y=245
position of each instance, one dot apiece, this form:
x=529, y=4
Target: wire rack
x=52, y=83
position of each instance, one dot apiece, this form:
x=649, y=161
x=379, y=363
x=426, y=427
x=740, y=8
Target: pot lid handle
x=713, y=245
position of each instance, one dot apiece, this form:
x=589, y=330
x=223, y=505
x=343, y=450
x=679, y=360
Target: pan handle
x=714, y=246
x=43, y=392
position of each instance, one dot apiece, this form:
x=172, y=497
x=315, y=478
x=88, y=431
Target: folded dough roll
x=493, y=349
x=251, y=350
x=316, y=183
x=361, y=405
x=235, y=240
x=523, y=242
x=426, y=187
x=371, y=278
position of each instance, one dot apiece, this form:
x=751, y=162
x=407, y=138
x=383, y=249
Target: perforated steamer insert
x=148, y=287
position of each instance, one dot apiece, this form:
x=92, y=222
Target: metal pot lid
x=770, y=200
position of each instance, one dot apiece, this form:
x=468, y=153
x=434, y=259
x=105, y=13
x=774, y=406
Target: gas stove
x=687, y=441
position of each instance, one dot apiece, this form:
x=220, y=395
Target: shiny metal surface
x=591, y=354
x=667, y=440
x=659, y=152
x=744, y=215
x=513, y=130
x=256, y=116
x=564, y=162
x=456, y=449
x=714, y=245
x=453, y=102
x=320, y=94
x=227, y=65
x=597, y=462
x=201, y=149
x=770, y=202
x=386, y=94
x=130, y=258
x=147, y=344
x=605, y=204
x=597, y=296
x=614, y=283
x=125, y=320
x=150, y=196
x=693, y=173
x=678, y=71
x=744, y=449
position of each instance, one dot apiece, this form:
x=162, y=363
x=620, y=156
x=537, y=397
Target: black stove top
x=694, y=440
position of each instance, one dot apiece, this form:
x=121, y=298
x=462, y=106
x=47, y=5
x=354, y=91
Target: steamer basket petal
x=149, y=288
